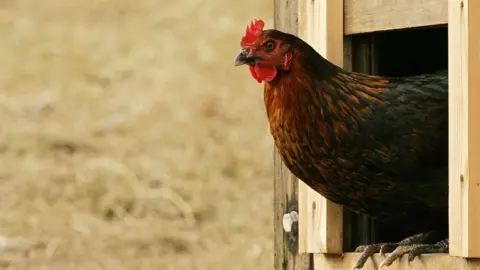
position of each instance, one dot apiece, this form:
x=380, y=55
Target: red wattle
x=263, y=72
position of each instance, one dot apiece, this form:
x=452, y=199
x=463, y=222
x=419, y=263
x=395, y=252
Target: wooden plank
x=320, y=221
x=285, y=184
x=362, y=16
x=464, y=130
x=424, y=262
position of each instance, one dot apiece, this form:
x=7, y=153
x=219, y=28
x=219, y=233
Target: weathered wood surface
x=464, y=127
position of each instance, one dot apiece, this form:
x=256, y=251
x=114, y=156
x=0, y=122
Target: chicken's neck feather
x=321, y=99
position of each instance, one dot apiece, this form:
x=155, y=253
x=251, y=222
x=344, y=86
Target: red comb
x=252, y=33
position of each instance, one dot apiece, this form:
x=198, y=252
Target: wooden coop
x=388, y=37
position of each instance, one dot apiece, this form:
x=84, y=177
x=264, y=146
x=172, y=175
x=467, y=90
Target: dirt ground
x=128, y=140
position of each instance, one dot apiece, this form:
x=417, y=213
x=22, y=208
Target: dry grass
x=129, y=140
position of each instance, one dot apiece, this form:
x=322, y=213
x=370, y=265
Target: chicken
x=376, y=145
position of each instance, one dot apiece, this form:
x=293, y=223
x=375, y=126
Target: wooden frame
x=464, y=131
x=324, y=24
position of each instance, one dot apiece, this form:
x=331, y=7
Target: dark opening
x=413, y=52
x=392, y=53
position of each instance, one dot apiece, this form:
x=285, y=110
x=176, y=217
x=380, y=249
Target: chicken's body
x=376, y=145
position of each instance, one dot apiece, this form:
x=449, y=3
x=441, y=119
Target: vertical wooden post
x=285, y=184
x=321, y=221
x=464, y=126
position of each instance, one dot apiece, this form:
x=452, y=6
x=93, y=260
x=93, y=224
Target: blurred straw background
x=128, y=140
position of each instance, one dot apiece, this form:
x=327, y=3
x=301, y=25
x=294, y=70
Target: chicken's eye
x=269, y=46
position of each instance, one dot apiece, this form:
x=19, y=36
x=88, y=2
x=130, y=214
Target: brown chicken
x=377, y=145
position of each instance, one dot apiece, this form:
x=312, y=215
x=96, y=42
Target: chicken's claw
x=397, y=248
x=397, y=253
x=415, y=250
x=367, y=251
x=439, y=247
x=387, y=248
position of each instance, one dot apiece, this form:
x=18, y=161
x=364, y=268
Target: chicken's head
x=264, y=52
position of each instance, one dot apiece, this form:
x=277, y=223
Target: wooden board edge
x=424, y=262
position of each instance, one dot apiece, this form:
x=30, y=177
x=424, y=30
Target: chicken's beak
x=241, y=58
x=244, y=57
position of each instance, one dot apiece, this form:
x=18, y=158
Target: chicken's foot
x=411, y=245
x=415, y=250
